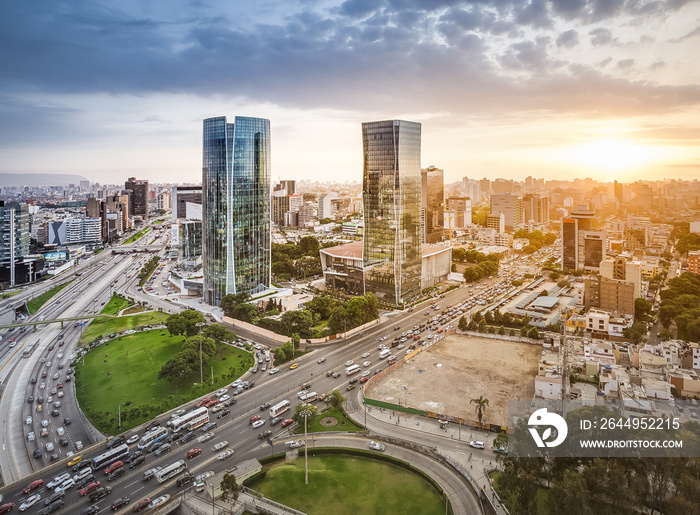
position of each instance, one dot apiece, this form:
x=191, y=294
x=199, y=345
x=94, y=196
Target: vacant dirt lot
x=445, y=377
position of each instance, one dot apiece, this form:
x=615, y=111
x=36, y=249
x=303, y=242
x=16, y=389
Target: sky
x=607, y=89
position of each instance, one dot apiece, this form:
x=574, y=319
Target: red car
x=364, y=379
x=5, y=508
x=142, y=504
x=254, y=418
x=212, y=402
x=33, y=486
x=90, y=488
x=201, y=403
x=114, y=466
x=68, y=379
x=286, y=422
x=12, y=339
x=59, y=385
x=193, y=453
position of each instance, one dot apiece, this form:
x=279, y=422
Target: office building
x=180, y=196
x=535, y=209
x=582, y=247
x=191, y=239
x=511, y=206
x=288, y=187
x=502, y=186
x=609, y=294
x=325, y=208
x=485, y=186
x=432, y=204
x=391, y=185
x=496, y=221
x=14, y=244
x=459, y=210
x=235, y=206
x=305, y=216
x=694, y=261
x=623, y=268
x=138, y=197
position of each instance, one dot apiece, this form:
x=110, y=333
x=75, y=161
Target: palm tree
x=481, y=404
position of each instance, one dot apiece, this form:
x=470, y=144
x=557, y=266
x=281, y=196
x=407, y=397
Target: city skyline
x=607, y=90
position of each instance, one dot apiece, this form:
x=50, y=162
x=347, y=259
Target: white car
x=44, y=423
x=49, y=447
x=273, y=371
x=220, y=445
x=68, y=483
x=28, y=420
x=476, y=444
x=366, y=363
x=204, y=475
x=321, y=360
x=57, y=480
x=226, y=454
x=132, y=439
x=295, y=444
x=206, y=437
x=222, y=391
x=258, y=423
x=60, y=394
x=158, y=501
x=365, y=373
x=376, y=446
x=365, y=354
x=236, y=383
x=177, y=413
x=349, y=362
x=224, y=398
x=29, y=502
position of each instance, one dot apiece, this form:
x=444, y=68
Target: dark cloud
x=567, y=39
x=601, y=36
x=624, y=64
x=604, y=62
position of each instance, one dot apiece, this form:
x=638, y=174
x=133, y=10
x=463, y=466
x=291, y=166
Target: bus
x=109, y=457
x=353, y=369
x=155, y=435
x=279, y=408
x=198, y=421
x=309, y=397
x=185, y=419
x=171, y=471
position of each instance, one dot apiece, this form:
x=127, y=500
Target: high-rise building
x=432, y=204
x=485, y=186
x=138, y=196
x=620, y=268
x=496, y=221
x=324, y=205
x=288, y=187
x=180, y=196
x=14, y=242
x=502, y=186
x=511, y=206
x=535, y=209
x=694, y=261
x=582, y=247
x=235, y=206
x=391, y=186
x=460, y=212
x=609, y=294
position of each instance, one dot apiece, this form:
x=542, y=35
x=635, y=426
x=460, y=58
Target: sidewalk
x=475, y=462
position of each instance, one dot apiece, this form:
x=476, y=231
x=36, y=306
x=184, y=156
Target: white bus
x=109, y=457
x=170, y=471
x=309, y=397
x=384, y=354
x=185, y=419
x=198, y=421
x=353, y=369
x=154, y=435
x=279, y=408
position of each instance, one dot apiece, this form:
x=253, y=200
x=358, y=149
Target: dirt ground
x=445, y=377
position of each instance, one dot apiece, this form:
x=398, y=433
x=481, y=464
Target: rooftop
x=354, y=250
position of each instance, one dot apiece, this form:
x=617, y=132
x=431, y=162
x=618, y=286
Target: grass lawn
x=133, y=310
x=136, y=236
x=34, y=304
x=540, y=497
x=107, y=325
x=317, y=330
x=348, y=485
x=115, y=305
x=125, y=370
x=158, y=222
x=344, y=423
x=8, y=294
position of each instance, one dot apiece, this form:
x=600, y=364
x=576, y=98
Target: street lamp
x=306, y=413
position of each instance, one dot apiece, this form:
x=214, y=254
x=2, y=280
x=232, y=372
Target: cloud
x=625, y=64
x=568, y=39
x=601, y=36
x=658, y=65
x=693, y=33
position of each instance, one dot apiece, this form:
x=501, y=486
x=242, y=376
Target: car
x=132, y=439
x=55, y=413
x=477, y=444
x=114, y=466
x=254, y=418
x=122, y=501
x=263, y=367
x=206, y=437
x=131, y=457
x=90, y=488
x=350, y=387
x=100, y=493
x=273, y=371
x=364, y=379
x=63, y=442
x=321, y=360
x=264, y=434
x=221, y=392
x=90, y=510
x=226, y=454
x=353, y=380
x=30, y=399
x=37, y=453
x=365, y=354
x=28, y=420
x=220, y=445
x=177, y=413
x=6, y=508
x=137, y=461
x=258, y=423
x=142, y=504
x=116, y=441
x=33, y=486
x=68, y=379
x=224, y=413
x=54, y=497
x=82, y=474
x=224, y=398
x=286, y=422
x=68, y=483
x=349, y=362
x=66, y=421
x=60, y=394
x=366, y=363
x=336, y=374
x=29, y=502
x=275, y=421
x=166, y=447
x=57, y=481
x=294, y=366
x=33, y=380
x=56, y=404
x=55, y=376
x=49, y=446
x=44, y=432
x=74, y=461
x=376, y=446
x=295, y=444
x=158, y=501
x=31, y=436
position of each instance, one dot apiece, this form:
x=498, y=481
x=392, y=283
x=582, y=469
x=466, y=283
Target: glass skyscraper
x=235, y=206
x=391, y=187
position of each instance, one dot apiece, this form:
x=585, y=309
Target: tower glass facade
x=392, y=209
x=235, y=206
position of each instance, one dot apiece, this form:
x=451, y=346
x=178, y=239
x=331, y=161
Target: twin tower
x=236, y=208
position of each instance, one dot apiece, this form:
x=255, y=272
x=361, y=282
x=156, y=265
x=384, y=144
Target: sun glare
x=613, y=154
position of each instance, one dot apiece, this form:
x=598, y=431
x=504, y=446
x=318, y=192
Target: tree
x=299, y=322
x=244, y=312
x=176, y=368
x=463, y=324
x=230, y=301
x=533, y=333
x=311, y=410
x=308, y=246
x=482, y=326
x=523, y=331
x=642, y=308
x=218, y=333
x=480, y=408
x=563, y=283
x=185, y=323
x=501, y=330
x=570, y=495
x=635, y=332
x=554, y=276
x=229, y=488
x=336, y=399
x=453, y=268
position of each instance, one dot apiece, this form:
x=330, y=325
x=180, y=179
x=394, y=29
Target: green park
x=341, y=484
